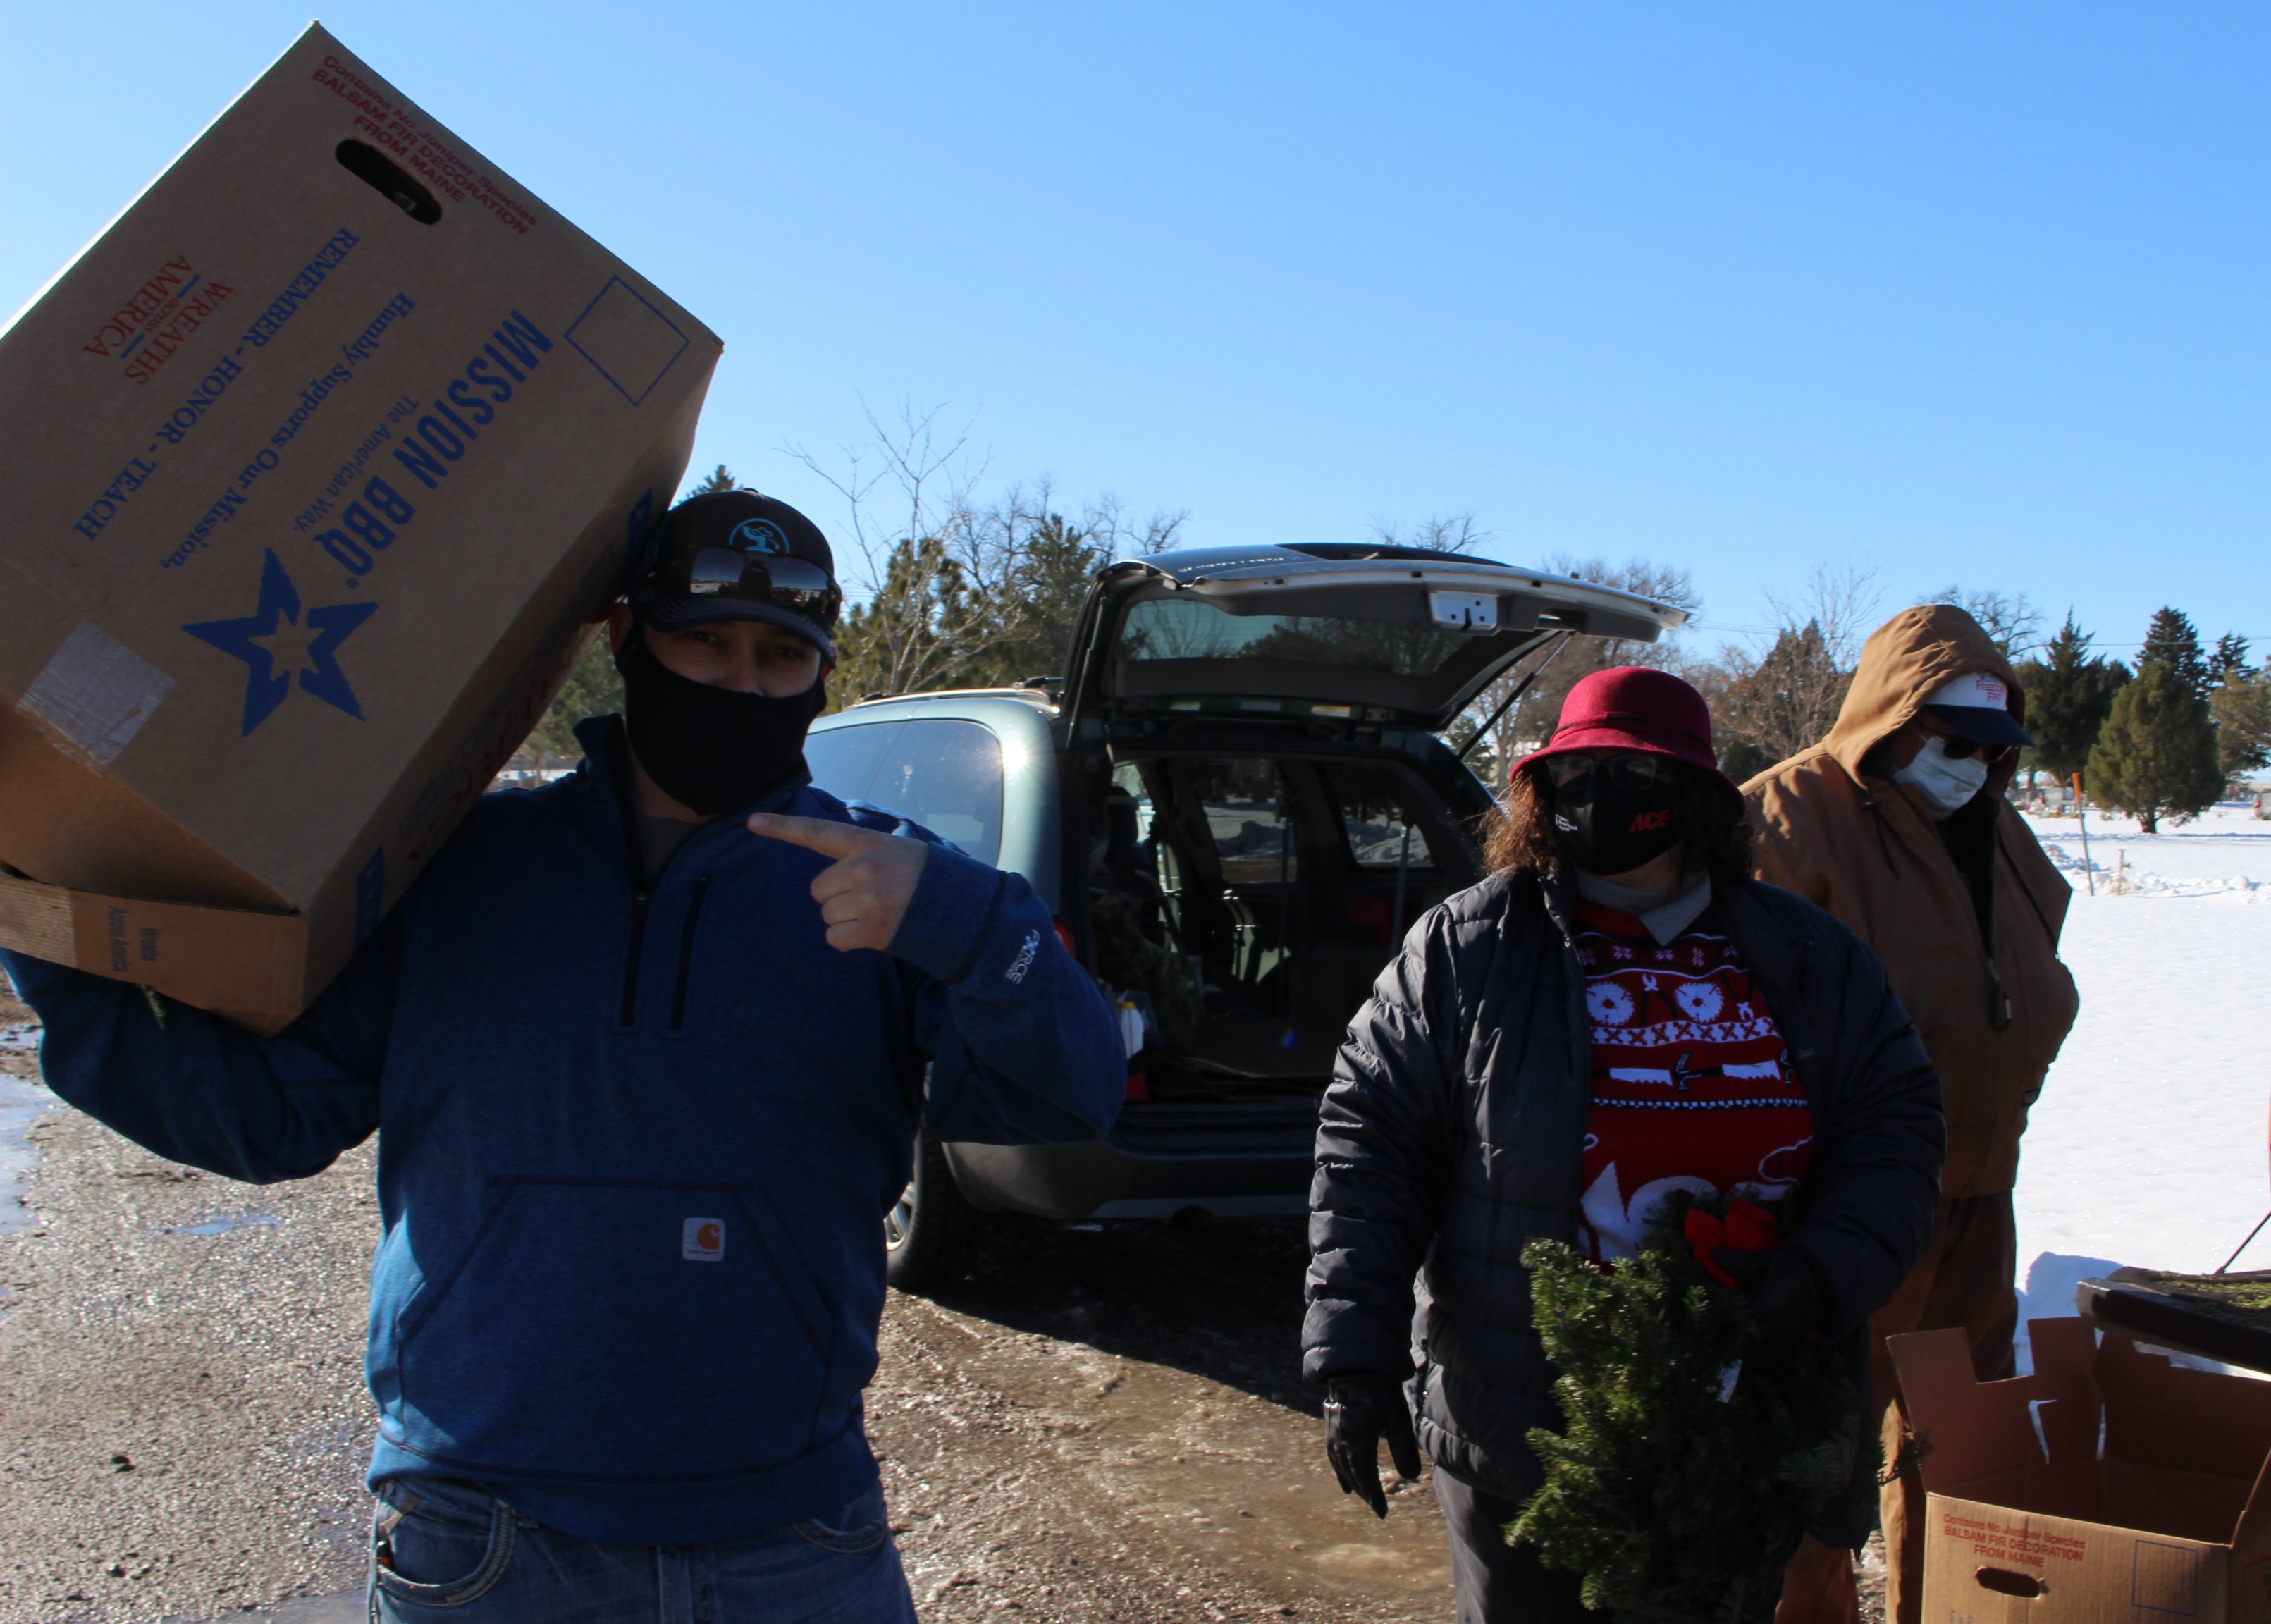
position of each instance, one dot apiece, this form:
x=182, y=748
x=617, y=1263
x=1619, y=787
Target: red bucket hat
x=1636, y=707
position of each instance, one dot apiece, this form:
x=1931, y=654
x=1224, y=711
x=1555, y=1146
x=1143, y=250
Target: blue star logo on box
x=758, y=535
x=274, y=642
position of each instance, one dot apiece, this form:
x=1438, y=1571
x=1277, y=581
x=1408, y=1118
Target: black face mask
x=1605, y=829
x=713, y=750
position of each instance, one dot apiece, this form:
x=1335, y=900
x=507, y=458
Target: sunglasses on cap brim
x=1629, y=770
x=727, y=574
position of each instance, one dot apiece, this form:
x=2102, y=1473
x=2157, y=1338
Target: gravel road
x=1107, y=1424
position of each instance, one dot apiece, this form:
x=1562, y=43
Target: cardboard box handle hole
x=2003, y=1582
x=389, y=180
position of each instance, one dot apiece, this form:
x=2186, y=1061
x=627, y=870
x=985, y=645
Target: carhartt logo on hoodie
x=703, y=1241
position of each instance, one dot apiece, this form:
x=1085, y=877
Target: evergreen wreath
x=1695, y=1451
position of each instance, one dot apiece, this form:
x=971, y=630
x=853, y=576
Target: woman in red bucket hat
x=1617, y=1013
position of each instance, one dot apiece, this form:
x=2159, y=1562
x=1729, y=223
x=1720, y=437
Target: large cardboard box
x=320, y=461
x=2108, y=1485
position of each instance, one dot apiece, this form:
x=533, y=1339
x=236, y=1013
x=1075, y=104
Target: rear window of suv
x=1186, y=627
x=943, y=774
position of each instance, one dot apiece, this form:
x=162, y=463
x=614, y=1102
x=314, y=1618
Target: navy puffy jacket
x=1453, y=1135
x=568, y=1099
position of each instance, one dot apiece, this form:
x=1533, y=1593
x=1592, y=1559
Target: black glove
x=1359, y=1410
x=1789, y=1294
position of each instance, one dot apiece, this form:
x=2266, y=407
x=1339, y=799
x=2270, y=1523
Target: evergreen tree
x=1786, y=702
x=2068, y=694
x=2172, y=640
x=593, y=688
x=1058, y=565
x=2157, y=754
x=2231, y=658
x=2242, y=708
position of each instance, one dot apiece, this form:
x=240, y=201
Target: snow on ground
x=21, y=1102
x=2148, y=1145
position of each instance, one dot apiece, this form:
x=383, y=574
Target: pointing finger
x=818, y=834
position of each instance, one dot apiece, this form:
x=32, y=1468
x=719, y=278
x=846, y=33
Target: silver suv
x=1234, y=802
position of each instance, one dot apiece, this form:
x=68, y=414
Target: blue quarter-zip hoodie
x=636, y=1141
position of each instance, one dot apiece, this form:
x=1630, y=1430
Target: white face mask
x=1946, y=784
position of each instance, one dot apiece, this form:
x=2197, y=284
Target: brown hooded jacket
x=1977, y=970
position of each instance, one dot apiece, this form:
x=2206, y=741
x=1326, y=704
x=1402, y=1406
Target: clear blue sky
x=1969, y=294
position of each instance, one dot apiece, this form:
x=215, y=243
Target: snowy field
x=2148, y=1145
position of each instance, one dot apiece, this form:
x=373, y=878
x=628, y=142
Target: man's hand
x=1360, y=1412
x=864, y=894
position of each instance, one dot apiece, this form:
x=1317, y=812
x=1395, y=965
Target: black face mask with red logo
x=1607, y=828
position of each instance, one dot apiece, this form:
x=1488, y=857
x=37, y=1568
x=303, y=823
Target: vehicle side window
x=1243, y=803
x=843, y=759
x=1372, y=811
x=946, y=776
x=1129, y=777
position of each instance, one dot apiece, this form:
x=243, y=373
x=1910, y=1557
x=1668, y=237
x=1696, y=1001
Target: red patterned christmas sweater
x=1692, y=1086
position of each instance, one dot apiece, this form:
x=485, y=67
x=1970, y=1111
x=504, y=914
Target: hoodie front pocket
x=620, y=1331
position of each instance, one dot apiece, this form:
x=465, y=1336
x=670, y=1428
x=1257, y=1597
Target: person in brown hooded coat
x=1897, y=825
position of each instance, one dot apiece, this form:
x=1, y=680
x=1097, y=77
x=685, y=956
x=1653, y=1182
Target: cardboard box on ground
x=321, y=461
x=2111, y=1484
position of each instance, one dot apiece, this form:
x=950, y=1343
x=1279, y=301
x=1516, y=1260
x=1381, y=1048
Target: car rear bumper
x=1243, y=1160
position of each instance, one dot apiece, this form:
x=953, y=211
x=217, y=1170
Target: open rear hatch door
x=1399, y=635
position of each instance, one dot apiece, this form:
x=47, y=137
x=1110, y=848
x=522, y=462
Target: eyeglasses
x=1629, y=770
x=797, y=585
x=1959, y=749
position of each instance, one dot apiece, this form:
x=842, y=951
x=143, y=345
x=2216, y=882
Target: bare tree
x=1524, y=726
x=923, y=571
x=1769, y=705
x=2009, y=618
x=1446, y=532
x=1050, y=561
x=961, y=592
x=1840, y=599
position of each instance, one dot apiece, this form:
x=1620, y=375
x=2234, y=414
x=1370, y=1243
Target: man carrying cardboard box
x=641, y=1106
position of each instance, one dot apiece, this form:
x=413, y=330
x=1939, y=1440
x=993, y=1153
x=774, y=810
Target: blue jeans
x=447, y=1551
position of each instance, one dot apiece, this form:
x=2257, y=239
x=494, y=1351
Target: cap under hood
x=1906, y=660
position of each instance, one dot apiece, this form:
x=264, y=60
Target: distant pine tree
x=2242, y=707
x=721, y=478
x=2068, y=694
x=2229, y=658
x=2172, y=640
x=593, y=688
x=2155, y=756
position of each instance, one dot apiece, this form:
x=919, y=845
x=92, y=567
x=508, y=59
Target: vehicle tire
x=931, y=1237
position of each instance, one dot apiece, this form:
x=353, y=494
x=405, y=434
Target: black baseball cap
x=737, y=556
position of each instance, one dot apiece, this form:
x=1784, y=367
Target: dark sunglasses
x=1629, y=770
x=1961, y=750
x=797, y=585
